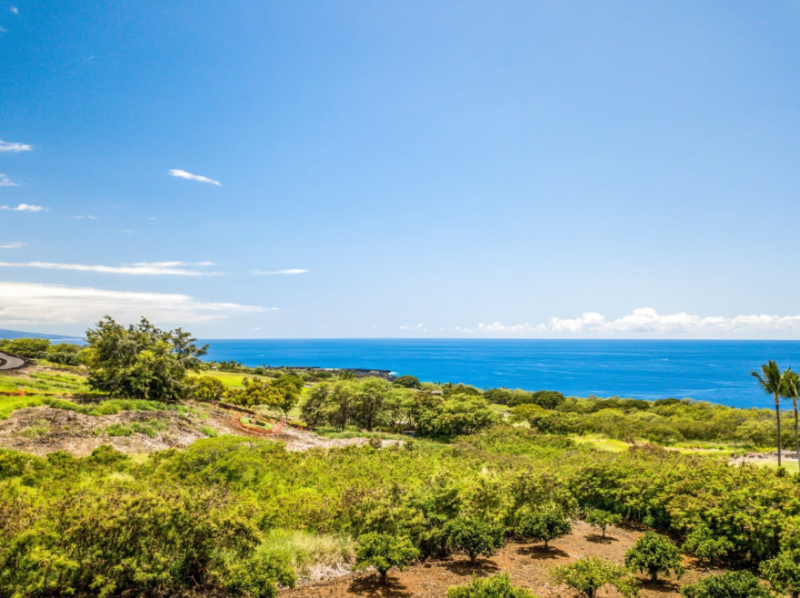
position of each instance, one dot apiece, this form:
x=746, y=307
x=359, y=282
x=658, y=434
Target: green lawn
x=229, y=379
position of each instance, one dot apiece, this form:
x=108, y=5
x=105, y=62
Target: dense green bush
x=384, y=551
x=140, y=361
x=118, y=539
x=473, y=537
x=407, y=382
x=259, y=575
x=543, y=525
x=206, y=388
x=736, y=584
x=497, y=586
x=654, y=554
x=588, y=574
x=783, y=572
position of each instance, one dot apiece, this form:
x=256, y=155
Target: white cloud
x=14, y=10
x=87, y=217
x=182, y=174
x=23, y=207
x=7, y=182
x=55, y=304
x=647, y=322
x=9, y=146
x=12, y=245
x=404, y=327
x=140, y=268
x=292, y=271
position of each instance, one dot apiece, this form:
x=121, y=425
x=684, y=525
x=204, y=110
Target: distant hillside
x=18, y=334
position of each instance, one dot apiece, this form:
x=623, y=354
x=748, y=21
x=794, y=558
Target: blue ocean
x=716, y=371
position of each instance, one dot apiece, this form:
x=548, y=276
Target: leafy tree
x=731, y=584
x=407, y=382
x=140, y=361
x=368, y=401
x=772, y=382
x=704, y=544
x=654, y=554
x=312, y=411
x=398, y=407
x=259, y=576
x=588, y=574
x=783, y=572
x=474, y=537
x=449, y=389
x=29, y=348
x=463, y=414
x=501, y=396
x=546, y=399
x=526, y=413
x=256, y=392
x=791, y=390
x=543, y=525
x=285, y=392
x=384, y=551
x=497, y=586
x=206, y=388
x=602, y=519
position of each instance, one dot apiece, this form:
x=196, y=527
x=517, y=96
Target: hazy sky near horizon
x=359, y=169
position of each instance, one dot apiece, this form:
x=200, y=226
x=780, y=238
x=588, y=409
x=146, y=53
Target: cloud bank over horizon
x=43, y=304
x=646, y=322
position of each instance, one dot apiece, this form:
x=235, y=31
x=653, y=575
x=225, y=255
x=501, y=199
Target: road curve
x=9, y=362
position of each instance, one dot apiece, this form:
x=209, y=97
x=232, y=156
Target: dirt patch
x=303, y=440
x=43, y=430
x=527, y=564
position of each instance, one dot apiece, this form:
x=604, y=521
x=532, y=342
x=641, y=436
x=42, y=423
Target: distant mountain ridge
x=11, y=334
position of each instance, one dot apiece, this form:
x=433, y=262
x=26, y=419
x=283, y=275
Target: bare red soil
x=527, y=564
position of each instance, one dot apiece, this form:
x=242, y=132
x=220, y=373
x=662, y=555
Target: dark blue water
x=717, y=371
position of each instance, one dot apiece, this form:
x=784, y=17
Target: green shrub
x=108, y=541
x=783, y=572
x=654, y=554
x=732, y=584
x=206, y=388
x=384, y=551
x=259, y=576
x=543, y=525
x=588, y=574
x=497, y=586
x=705, y=545
x=473, y=537
x=602, y=519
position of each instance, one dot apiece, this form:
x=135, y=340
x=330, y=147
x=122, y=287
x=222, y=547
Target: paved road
x=9, y=362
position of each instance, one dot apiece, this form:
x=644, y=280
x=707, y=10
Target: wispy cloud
x=646, y=321
x=404, y=327
x=182, y=174
x=23, y=207
x=140, y=268
x=10, y=146
x=87, y=217
x=55, y=304
x=14, y=10
x=12, y=245
x=290, y=272
x=7, y=182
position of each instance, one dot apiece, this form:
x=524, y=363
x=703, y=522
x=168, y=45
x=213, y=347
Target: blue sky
x=508, y=169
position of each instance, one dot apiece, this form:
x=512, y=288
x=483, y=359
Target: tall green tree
x=141, y=361
x=771, y=380
x=791, y=390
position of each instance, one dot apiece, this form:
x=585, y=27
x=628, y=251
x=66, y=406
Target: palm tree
x=771, y=382
x=791, y=390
